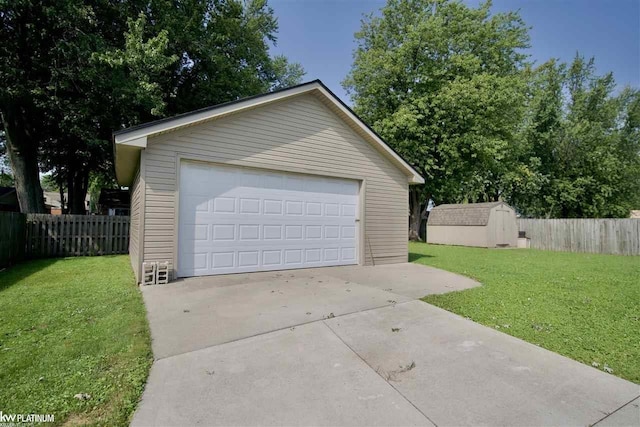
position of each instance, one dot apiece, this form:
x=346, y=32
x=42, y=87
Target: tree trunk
x=77, y=185
x=62, y=199
x=416, y=209
x=22, y=150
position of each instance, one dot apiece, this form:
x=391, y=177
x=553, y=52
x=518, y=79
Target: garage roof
x=462, y=214
x=129, y=142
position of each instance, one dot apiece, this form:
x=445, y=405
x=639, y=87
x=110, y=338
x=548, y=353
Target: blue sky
x=319, y=34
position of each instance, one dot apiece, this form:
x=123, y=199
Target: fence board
x=604, y=236
x=74, y=235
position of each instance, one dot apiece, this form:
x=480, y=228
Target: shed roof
x=8, y=196
x=114, y=198
x=129, y=142
x=462, y=214
x=6, y=190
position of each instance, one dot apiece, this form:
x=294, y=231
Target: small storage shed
x=487, y=225
x=288, y=179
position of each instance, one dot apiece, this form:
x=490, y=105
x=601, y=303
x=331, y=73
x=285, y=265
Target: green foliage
x=583, y=306
x=137, y=67
x=85, y=69
x=448, y=86
x=98, y=181
x=579, y=147
x=442, y=83
x=6, y=179
x=286, y=74
x=223, y=51
x=48, y=183
x=72, y=326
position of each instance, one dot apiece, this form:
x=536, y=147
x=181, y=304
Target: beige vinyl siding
x=135, y=228
x=459, y=235
x=299, y=134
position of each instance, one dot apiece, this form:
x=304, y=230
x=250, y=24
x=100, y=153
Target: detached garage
x=487, y=225
x=288, y=179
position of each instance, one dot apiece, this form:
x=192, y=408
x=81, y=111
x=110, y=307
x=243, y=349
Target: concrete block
x=149, y=273
x=162, y=273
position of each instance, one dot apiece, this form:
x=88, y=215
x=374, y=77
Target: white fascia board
x=137, y=142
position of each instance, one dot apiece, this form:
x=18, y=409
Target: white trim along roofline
x=129, y=142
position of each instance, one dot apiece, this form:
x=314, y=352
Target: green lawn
x=70, y=326
x=583, y=306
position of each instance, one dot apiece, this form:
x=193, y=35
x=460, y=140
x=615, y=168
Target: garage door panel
x=348, y=254
x=249, y=232
x=272, y=207
x=293, y=232
x=234, y=220
x=223, y=232
x=222, y=260
x=248, y=258
x=293, y=256
x=250, y=206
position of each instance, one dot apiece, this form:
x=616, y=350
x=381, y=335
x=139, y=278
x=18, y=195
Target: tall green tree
x=581, y=145
x=223, y=51
x=442, y=83
x=61, y=100
x=75, y=71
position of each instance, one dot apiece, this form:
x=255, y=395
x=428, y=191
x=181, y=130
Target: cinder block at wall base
x=149, y=273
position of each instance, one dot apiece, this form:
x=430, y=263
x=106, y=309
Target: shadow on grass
x=9, y=276
x=413, y=256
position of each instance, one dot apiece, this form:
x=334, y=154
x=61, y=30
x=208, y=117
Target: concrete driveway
x=352, y=346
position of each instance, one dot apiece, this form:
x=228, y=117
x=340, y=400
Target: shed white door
x=235, y=220
x=501, y=216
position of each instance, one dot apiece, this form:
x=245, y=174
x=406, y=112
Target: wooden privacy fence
x=42, y=235
x=604, y=236
x=75, y=235
x=12, y=234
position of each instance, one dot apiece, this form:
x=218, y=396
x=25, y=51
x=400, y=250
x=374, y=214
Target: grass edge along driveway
x=73, y=326
x=583, y=306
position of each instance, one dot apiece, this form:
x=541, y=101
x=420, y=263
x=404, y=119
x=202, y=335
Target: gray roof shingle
x=461, y=214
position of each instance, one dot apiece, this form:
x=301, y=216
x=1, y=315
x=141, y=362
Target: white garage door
x=235, y=220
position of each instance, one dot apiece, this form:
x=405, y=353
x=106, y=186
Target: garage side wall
x=296, y=135
x=135, y=228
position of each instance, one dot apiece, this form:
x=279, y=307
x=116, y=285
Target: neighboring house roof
x=52, y=199
x=114, y=198
x=129, y=142
x=6, y=191
x=462, y=214
x=8, y=196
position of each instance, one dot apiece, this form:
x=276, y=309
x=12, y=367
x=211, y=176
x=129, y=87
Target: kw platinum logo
x=15, y=419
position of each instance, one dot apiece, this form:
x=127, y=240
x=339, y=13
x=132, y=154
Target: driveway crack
x=378, y=373
x=610, y=414
x=281, y=329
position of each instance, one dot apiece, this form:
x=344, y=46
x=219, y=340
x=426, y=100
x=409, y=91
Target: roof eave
x=127, y=162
